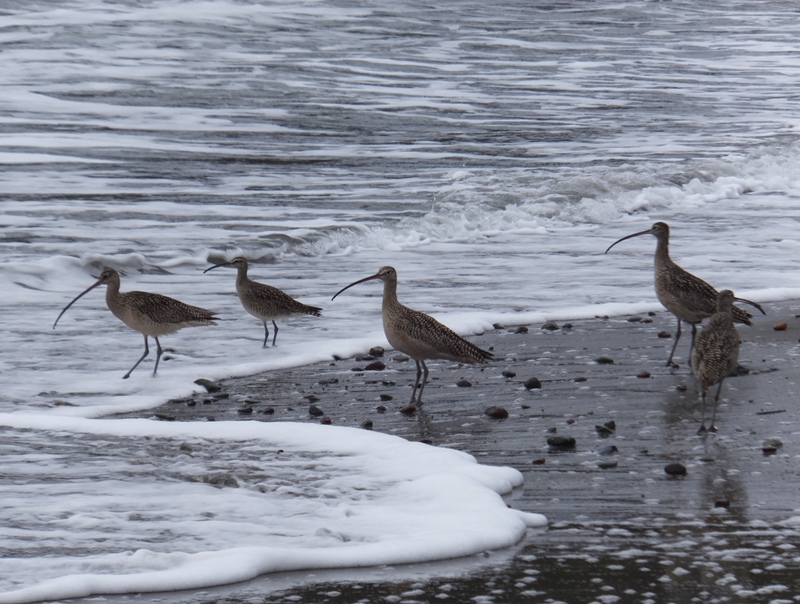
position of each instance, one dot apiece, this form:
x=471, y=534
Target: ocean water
x=489, y=151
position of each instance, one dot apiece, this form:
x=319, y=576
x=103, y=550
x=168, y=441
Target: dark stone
x=566, y=327
x=328, y=381
x=561, y=442
x=311, y=398
x=604, y=361
x=532, y=383
x=521, y=329
x=722, y=503
x=580, y=379
x=464, y=383
x=367, y=424
x=245, y=410
x=664, y=334
x=191, y=403
x=326, y=420
x=634, y=319
x=380, y=409
x=496, y=412
x=675, y=469
x=315, y=411
x=606, y=465
x=608, y=450
x=208, y=385
x=375, y=366
x=604, y=431
x=364, y=357
x=165, y=417
x=220, y=396
x=386, y=397
x=508, y=373
x=643, y=374
x=376, y=351
x=611, y=425
x=268, y=411
x=681, y=388
x=409, y=409
x=186, y=447
x=550, y=326
x=539, y=461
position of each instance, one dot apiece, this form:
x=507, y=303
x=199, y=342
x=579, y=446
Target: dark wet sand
x=621, y=529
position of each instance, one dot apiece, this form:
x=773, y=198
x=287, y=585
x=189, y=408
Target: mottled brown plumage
x=265, y=302
x=716, y=353
x=683, y=294
x=418, y=335
x=151, y=315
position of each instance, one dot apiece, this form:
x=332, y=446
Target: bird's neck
x=241, y=275
x=390, y=301
x=662, y=252
x=112, y=296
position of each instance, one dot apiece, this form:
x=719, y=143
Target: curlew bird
x=683, y=294
x=419, y=335
x=265, y=302
x=151, y=315
x=716, y=353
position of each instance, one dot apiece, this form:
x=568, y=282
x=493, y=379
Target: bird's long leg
x=159, y=352
x=424, y=381
x=266, y=334
x=416, y=383
x=275, y=335
x=674, y=346
x=713, y=427
x=694, y=334
x=702, y=428
x=146, y=352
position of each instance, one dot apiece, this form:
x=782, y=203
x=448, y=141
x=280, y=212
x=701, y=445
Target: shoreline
x=612, y=486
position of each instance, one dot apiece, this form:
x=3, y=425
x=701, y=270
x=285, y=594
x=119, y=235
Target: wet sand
x=621, y=528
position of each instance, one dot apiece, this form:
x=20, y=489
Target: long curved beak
x=88, y=289
x=751, y=303
x=647, y=232
x=370, y=278
x=211, y=268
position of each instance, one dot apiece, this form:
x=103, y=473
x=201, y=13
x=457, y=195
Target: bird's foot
x=672, y=365
x=712, y=428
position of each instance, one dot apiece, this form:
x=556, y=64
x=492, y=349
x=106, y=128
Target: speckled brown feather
x=716, y=351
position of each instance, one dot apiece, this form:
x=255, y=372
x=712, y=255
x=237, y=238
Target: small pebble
x=780, y=327
x=244, y=410
x=580, y=379
x=186, y=447
x=566, y=327
x=409, y=409
x=722, y=503
x=508, y=373
x=550, y=326
x=496, y=412
x=604, y=361
x=268, y=411
x=675, y=469
x=386, y=397
x=376, y=351
x=539, y=461
x=315, y=411
x=328, y=381
x=561, y=442
x=634, y=319
x=380, y=409
x=165, y=417
x=532, y=383
x=521, y=329
x=664, y=334
x=681, y=387
x=208, y=385
x=643, y=374
x=603, y=430
x=367, y=424
x=375, y=366
x=464, y=384
x=326, y=421
x=607, y=465
x=608, y=450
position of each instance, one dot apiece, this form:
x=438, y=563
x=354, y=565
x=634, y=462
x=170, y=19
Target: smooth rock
x=208, y=385
x=532, y=383
x=496, y=412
